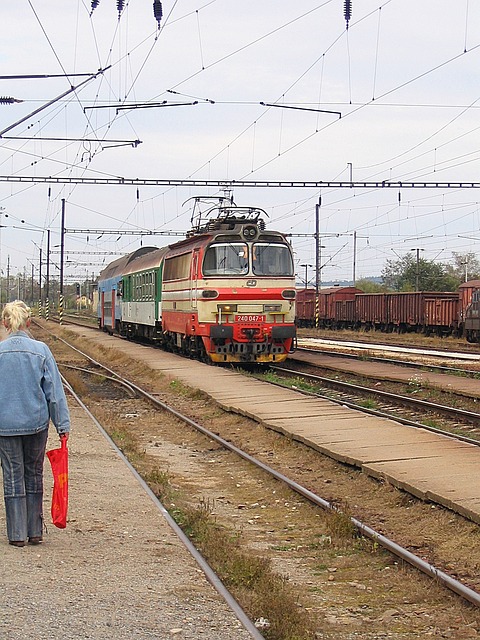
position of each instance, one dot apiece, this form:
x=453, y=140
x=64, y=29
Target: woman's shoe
x=35, y=540
x=17, y=543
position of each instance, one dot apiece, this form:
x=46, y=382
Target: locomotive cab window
x=271, y=260
x=226, y=259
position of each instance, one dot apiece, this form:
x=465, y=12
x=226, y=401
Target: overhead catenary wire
x=258, y=126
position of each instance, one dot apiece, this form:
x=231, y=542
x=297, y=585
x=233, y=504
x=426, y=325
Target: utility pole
x=40, y=276
x=8, y=279
x=31, y=293
x=47, y=283
x=306, y=272
x=62, y=248
x=1, y=272
x=318, y=259
x=318, y=266
x=354, y=257
x=417, y=275
x=62, y=245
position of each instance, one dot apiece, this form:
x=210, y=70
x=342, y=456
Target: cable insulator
x=120, y=4
x=347, y=11
x=95, y=4
x=157, y=11
x=8, y=100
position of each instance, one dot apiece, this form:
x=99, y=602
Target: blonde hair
x=15, y=316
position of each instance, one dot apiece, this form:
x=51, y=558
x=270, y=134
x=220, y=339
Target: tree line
x=408, y=273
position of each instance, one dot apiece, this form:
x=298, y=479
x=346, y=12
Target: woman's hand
x=64, y=436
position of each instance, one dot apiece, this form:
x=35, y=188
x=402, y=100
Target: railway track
x=391, y=342
x=378, y=538
x=462, y=423
x=459, y=423
x=210, y=574
x=429, y=363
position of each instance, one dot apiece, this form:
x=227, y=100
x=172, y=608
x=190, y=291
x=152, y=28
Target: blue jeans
x=22, y=459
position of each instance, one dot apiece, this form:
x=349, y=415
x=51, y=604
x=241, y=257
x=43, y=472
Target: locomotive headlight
x=249, y=232
x=272, y=308
x=209, y=293
x=288, y=294
x=227, y=308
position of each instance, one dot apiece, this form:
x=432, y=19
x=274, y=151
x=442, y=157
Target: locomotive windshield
x=232, y=258
x=271, y=260
x=226, y=259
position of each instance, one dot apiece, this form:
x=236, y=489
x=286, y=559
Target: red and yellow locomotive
x=224, y=294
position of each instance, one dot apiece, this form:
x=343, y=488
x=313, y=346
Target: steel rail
x=369, y=346
x=428, y=569
x=469, y=373
x=388, y=416
x=412, y=401
x=210, y=574
x=393, y=397
x=113, y=379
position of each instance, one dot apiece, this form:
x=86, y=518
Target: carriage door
x=102, y=308
x=114, y=301
x=194, y=280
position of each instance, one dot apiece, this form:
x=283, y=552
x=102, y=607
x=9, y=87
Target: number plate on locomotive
x=249, y=317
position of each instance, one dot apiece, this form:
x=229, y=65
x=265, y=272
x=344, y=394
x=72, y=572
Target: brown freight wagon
x=305, y=307
x=345, y=314
x=441, y=313
x=371, y=311
x=327, y=300
x=422, y=311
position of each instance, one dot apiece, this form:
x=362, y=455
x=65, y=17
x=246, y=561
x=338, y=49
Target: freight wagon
x=333, y=311
x=429, y=312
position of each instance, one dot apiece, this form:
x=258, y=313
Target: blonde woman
x=31, y=394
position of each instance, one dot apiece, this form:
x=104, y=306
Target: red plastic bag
x=59, y=463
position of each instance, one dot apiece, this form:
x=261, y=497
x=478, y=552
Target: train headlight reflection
x=227, y=308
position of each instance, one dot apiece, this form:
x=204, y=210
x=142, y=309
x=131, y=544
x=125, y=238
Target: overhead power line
x=289, y=106
x=48, y=104
x=141, y=105
x=133, y=143
x=41, y=76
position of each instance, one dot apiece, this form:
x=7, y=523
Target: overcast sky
x=404, y=76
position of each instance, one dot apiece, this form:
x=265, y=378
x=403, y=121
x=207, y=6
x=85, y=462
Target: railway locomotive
x=438, y=313
x=225, y=294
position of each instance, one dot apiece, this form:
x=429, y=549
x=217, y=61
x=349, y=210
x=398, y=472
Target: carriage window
x=226, y=259
x=271, y=260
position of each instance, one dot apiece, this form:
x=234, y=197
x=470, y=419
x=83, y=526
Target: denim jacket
x=31, y=390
